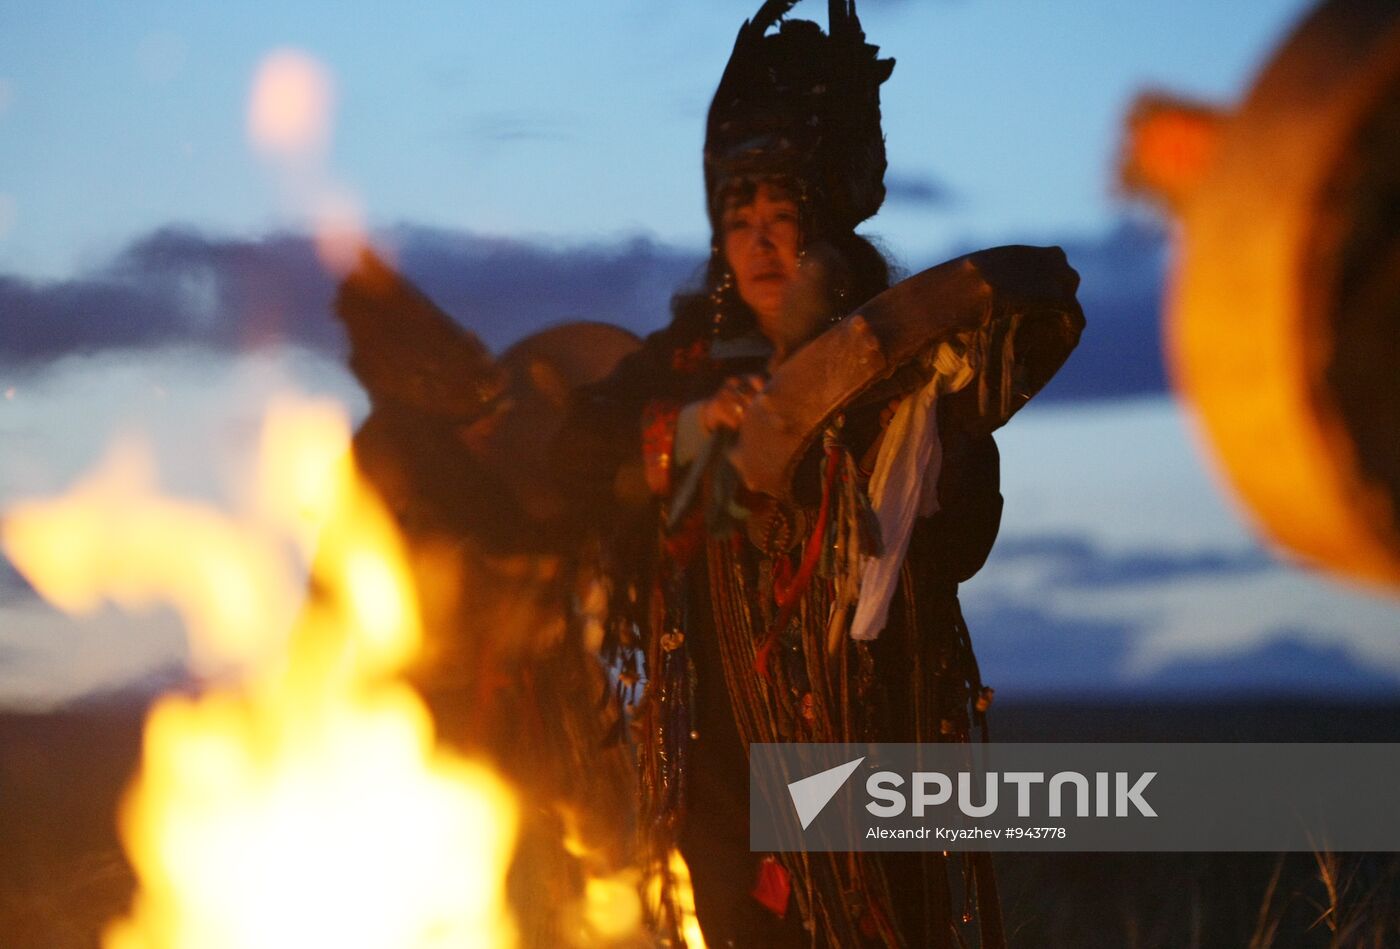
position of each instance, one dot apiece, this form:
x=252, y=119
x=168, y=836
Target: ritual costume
x=804, y=587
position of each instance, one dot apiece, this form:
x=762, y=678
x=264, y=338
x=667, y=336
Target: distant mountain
x=1288, y=665
x=1079, y=662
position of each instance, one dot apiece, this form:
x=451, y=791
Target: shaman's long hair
x=860, y=270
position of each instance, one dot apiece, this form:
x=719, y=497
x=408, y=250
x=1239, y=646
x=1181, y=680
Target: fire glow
x=289, y=108
x=300, y=796
x=291, y=121
x=302, y=800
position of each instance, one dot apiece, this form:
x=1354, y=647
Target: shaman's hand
x=725, y=409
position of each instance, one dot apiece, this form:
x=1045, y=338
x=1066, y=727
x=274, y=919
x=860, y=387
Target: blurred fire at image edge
x=426, y=473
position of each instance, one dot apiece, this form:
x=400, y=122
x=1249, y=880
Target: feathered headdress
x=802, y=104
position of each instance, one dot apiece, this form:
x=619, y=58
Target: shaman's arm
x=957, y=539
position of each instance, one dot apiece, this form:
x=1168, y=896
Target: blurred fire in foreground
x=302, y=800
x=291, y=120
x=289, y=108
x=1282, y=326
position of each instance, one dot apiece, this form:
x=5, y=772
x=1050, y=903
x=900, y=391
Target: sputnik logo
x=811, y=794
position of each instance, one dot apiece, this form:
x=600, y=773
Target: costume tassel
x=787, y=593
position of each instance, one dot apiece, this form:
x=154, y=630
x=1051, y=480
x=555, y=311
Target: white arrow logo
x=812, y=794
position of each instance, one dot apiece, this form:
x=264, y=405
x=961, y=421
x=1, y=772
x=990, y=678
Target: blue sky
x=569, y=121
x=535, y=162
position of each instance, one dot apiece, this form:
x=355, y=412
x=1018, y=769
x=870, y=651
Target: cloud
x=1121, y=277
x=177, y=285
x=173, y=286
x=1026, y=650
x=180, y=286
x=1121, y=282
x=508, y=127
x=13, y=586
x=1079, y=562
x=918, y=191
x=1290, y=661
x=1057, y=614
x=53, y=658
x=504, y=289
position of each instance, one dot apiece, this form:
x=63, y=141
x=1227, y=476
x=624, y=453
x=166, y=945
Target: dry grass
x=1350, y=901
x=1201, y=901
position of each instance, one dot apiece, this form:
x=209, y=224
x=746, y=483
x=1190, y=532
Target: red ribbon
x=788, y=587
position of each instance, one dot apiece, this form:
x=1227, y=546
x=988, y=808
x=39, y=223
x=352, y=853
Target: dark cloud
x=1121, y=280
x=918, y=191
x=1121, y=275
x=504, y=289
x=180, y=286
x=174, y=286
x=167, y=678
x=1027, y=650
x=41, y=321
x=14, y=588
x=1287, y=662
x=508, y=127
x=1078, y=562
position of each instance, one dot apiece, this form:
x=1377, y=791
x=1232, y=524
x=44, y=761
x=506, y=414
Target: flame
x=290, y=122
x=677, y=877
x=612, y=910
x=306, y=802
x=289, y=111
x=609, y=910
x=113, y=537
x=339, y=232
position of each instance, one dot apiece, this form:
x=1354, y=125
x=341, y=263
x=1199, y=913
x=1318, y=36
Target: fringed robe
x=699, y=602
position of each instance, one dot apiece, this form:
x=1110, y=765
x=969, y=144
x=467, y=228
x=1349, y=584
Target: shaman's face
x=761, y=240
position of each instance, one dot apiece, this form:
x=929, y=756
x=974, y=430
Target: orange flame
x=290, y=122
x=289, y=112
x=306, y=803
x=676, y=875
x=339, y=233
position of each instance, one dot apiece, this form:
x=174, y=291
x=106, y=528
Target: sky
x=568, y=121
x=531, y=163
